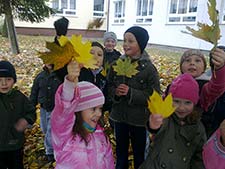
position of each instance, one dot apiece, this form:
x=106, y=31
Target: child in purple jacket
x=214, y=149
x=78, y=140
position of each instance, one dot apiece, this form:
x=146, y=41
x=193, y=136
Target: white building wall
x=80, y=21
x=161, y=32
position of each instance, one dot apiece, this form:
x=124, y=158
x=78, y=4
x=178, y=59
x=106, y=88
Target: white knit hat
x=108, y=35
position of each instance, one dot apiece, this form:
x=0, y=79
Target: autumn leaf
x=105, y=69
x=124, y=67
x=157, y=105
x=209, y=33
x=68, y=50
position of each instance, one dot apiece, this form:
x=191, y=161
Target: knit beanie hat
x=110, y=35
x=141, y=36
x=185, y=87
x=89, y=96
x=95, y=43
x=7, y=70
x=61, y=26
x=191, y=52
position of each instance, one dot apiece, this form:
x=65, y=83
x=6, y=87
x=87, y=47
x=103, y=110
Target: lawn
x=28, y=65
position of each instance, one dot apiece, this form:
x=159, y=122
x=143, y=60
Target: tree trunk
x=4, y=30
x=11, y=28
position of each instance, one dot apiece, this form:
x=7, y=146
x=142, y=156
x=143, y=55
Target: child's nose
x=3, y=82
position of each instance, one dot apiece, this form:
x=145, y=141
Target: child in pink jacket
x=78, y=140
x=214, y=149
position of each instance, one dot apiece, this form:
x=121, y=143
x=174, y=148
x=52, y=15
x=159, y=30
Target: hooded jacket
x=70, y=152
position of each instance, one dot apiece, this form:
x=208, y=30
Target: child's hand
x=21, y=125
x=155, y=121
x=73, y=69
x=122, y=90
x=218, y=58
x=222, y=131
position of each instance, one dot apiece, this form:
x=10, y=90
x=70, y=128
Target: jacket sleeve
x=29, y=111
x=34, y=91
x=213, y=89
x=62, y=117
x=214, y=152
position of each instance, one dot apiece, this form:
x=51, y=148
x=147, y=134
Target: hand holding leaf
x=157, y=105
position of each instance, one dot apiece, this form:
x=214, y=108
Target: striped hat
x=89, y=96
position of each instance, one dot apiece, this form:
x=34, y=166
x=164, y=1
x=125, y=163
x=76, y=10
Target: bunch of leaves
x=69, y=49
x=124, y=67
x=157, y=105
x=96, y=23
x=209, y=33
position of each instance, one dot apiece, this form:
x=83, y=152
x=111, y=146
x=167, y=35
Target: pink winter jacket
x=214, y=152
x=70, y=152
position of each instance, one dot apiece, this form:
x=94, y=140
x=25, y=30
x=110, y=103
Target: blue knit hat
x=7, y=70
x=141, y=36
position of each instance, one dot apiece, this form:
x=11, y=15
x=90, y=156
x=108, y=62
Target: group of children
x=71, y=110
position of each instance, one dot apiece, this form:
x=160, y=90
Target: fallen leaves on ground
x=28, y=65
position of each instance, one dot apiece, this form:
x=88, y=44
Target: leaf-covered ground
x=27, y=65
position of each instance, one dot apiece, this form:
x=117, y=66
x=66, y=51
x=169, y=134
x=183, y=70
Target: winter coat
x=132, y=108
x=176, y=146
x=43, y=90
x=110, y=57
x=214, y=152
x=13, y=106
x=70, y=152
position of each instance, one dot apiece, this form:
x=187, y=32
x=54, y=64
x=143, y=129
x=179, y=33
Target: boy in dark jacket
x=43, y=92
x=16, y=112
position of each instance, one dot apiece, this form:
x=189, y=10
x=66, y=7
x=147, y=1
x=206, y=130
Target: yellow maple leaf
x=124, y=67
x=69, y=49
x=105, y=69
x=209, y=33
x=157, y=105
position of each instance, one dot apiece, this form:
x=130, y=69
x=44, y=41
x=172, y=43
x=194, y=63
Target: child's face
x=194, y=65
x=130, y=45
x=97, y=52
x=92, y=115
x=110, y=44
x=49, y=66
x=6, y=84
x=183, y=107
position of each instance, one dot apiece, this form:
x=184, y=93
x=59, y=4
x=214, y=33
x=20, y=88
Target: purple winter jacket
x=69, y=151
x=214, y=152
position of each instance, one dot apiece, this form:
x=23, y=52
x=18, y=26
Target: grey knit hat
x=108, y=35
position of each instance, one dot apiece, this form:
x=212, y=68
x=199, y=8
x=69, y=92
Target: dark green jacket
x=13, y=106
x=132, y=108
x=176, y=147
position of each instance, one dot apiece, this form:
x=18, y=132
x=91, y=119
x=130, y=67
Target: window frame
x=119, y=17
x=144, y=19
x=102, y=13
x=223, y=13
x=191, y=17
x=65, y=11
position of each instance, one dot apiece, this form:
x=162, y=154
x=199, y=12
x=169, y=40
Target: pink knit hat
x=88, y=95
x=185, y=87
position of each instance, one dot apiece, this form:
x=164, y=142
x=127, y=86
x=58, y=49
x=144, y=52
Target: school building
x=163, y=19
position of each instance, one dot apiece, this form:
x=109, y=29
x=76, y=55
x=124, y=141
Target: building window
x=182, y=11
x=64, y=7
x=144, y=11
x=98, y=8
x=119, y=11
